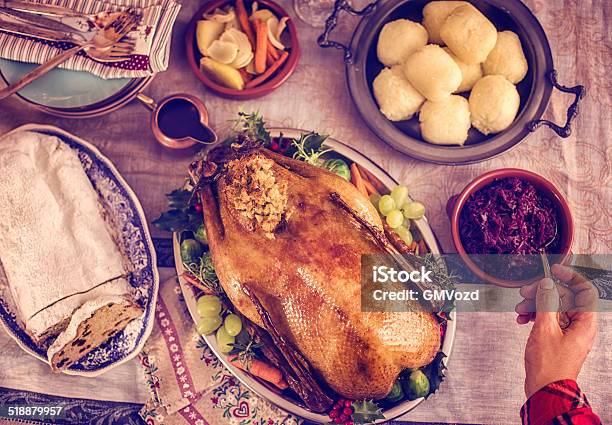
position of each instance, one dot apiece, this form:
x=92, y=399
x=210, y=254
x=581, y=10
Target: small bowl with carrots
x=242, y=49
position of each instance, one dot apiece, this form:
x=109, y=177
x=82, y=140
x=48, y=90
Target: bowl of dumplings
x=452, y=82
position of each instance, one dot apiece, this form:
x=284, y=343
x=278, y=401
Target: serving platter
x=72, y=94
x=270, y=392
x=126, y=216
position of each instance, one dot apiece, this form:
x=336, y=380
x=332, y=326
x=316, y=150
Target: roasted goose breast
x=272, y=226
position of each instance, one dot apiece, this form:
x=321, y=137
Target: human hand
x=553, y=353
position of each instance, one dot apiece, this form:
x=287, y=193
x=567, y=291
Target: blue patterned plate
x=125, y=214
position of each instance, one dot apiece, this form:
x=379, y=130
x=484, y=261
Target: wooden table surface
x=486, y=373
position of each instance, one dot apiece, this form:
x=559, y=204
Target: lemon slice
x=223, y=51
x=242, y=61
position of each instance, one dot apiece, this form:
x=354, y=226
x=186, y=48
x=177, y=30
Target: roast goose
x=286, y=240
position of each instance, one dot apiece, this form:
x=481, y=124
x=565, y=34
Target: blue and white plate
x=126, y=216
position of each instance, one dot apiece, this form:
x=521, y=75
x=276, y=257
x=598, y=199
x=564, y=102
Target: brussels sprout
x=417, y=383
x=396, y=393
x=339, y=167
x=201, y=235
x=191, y=251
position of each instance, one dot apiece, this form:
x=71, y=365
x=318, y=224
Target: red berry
x=198, y=207
x=338, y=420
x=347, y=411
x=343, y=418
x=348, y=403
x=274, y=146
x=333, y=414
x=349, y=422
x=337, y=407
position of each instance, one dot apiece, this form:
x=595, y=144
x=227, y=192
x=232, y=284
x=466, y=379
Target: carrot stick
x=262, y=370
x=271, y=70
x=190, y=279
x=380, y=187
x=261, y=45
x=357, y=180
x=369, y=187
x=243, y=19
x=273, y=51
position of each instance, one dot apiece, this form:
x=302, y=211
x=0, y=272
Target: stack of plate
x=72, y=94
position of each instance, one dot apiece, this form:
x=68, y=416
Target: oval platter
x=267, y=391
x=126, y=216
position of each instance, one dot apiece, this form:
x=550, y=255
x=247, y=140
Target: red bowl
x=281, y=75
x=546, y=188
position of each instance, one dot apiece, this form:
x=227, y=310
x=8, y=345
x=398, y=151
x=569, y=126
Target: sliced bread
x=90, y=326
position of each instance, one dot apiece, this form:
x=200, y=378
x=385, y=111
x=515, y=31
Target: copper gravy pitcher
x=179, y=121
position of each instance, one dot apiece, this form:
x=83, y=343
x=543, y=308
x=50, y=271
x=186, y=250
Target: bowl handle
x=331, y=22
x=565, y=131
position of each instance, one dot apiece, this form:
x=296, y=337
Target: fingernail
x=547, y=284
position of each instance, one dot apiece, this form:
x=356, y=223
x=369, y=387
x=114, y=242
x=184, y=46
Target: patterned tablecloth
x=486, y=373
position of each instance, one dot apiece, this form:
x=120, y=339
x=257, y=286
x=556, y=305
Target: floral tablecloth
x=485, y=377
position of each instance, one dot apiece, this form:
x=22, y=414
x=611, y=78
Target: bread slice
x=90, y=326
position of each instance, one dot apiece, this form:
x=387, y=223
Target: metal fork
x=26, y=25
x=102, y=42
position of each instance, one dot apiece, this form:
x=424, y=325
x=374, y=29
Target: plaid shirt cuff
x=559, y=403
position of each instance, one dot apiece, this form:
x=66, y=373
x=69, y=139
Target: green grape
x=225, y=340
x=399, y=194
x=386, y=204
x=208, y=325
x=208, y=306
x=404, y=234
x=407, y=223
x=395, y=219
x=374, y=199
x=233, y=324
x=413, y=210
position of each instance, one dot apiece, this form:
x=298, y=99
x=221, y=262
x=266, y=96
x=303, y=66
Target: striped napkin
x=152, y=38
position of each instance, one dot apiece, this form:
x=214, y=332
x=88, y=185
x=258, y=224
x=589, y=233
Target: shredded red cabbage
x=508, y=216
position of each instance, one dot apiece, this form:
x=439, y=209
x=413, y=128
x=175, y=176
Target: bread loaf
x=90, y=326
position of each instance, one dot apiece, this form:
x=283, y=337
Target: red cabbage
x=508, y=216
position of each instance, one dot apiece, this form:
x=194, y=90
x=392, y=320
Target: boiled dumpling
x=396, y=97
x=432, y=72
x=469, y=34
x=494, y=103
x=445, y=122
x=507, y=58
x=434, y=15
x=398, y=40
x=470, y=73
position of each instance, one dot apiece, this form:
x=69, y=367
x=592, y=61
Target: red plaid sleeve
x=559, y=403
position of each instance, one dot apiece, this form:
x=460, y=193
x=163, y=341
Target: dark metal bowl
x=362, y=66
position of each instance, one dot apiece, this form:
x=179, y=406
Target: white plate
x=124, y=213
x=269, y=392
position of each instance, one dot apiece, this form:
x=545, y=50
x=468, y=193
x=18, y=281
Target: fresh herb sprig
x=251, y=126
x=308, y=148
x=245, y=348
x=204, y=272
